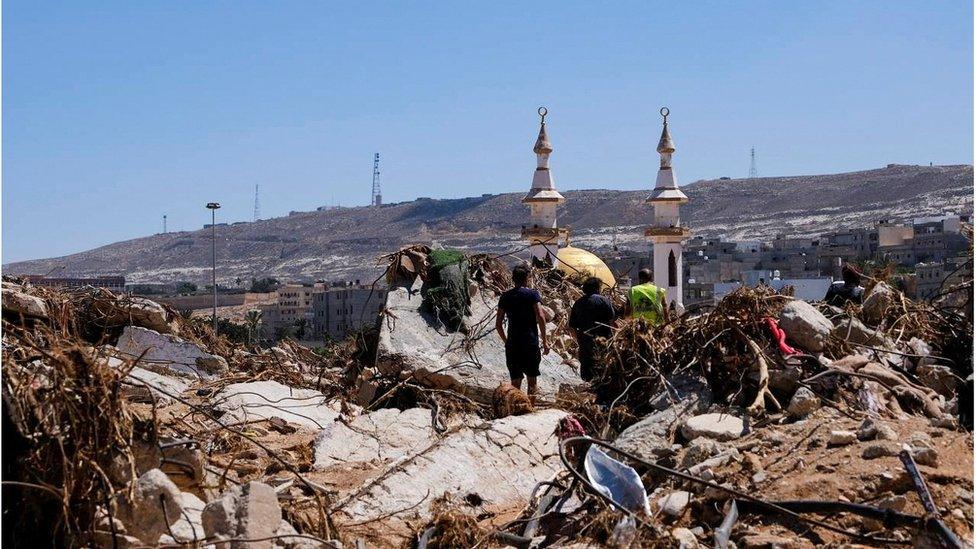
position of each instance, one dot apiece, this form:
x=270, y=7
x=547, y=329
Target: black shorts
x=522, y=361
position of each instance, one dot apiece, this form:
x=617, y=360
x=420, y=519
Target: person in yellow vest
x=647, y=301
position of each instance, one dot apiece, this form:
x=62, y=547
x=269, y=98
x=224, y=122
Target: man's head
x=644, y=276
x=520, y=275
x=592, y=285
x=852, y=277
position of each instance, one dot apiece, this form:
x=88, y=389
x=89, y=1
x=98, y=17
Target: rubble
x=402, y=435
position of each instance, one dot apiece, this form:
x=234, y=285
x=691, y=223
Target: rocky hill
x=344, y=243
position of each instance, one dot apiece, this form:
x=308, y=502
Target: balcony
x=544, y=234
x=682, y=232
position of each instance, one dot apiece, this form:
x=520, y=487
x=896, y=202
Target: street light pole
x=213, y=207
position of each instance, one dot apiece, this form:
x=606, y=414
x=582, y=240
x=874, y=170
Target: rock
x=686, y=538
x=885, y=432
x=384, y=435
x=189, y=527
x=939, y=378
x=118, y=310
x=700, y=449
x=805, y=325
x=674, y=504
x=289, y=539
x=841, y=438
x=249, y=511
x=895, y=503
x=924, y=455
x=21, y=303
x=415, y=343
x=650, y=438
x=184, y=465
x=143, y=515
x=721, y=427
x=767, y=541
x=803, y=403
x=855, y=331
x=751, y=462
x=877, y=302
x=500, y=461
x=267, y=399
x=169, y=353
x=880, y=449
x=684, y=391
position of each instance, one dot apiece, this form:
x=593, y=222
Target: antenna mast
x=257, y=203
x=753, y=173
x=377, y=198
x=164, y=223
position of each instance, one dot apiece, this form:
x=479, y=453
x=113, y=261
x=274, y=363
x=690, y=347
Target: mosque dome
x=577, y=261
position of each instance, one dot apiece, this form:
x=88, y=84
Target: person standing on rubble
x=526, y=327
x=647, y=301
x=848, y=290
x=589, y=319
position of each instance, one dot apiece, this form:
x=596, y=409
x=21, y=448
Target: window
x=672, y=269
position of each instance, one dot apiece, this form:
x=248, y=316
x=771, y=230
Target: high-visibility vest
x=645, y=302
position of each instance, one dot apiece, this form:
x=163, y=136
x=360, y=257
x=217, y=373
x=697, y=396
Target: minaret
x=666, y=233
x=542, y=232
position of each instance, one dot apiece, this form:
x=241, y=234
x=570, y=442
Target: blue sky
x=115, y=113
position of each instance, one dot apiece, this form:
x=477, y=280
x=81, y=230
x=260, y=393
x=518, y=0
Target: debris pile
x=764, y=421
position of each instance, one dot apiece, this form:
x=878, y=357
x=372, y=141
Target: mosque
x=666, y=233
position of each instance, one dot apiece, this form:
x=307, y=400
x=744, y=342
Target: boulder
x=721, y=427
x=651, y=437
x=803, y=403
x=499, y=462
x=118, y=310
x=168, y=353
x=877, y=302
x=268, y=399
x=686, y=538
x=143, y=515
x=250, y=511
x=805, y=325
x=417, y=343
x=880, y=449
x=20, y=303
x=699, y=450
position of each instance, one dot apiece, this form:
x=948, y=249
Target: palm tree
x=253, y=320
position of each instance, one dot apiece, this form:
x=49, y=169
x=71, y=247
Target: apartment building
x=345, y=308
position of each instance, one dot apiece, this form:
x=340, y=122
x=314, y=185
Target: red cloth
x=569, y=427
x=780, y=337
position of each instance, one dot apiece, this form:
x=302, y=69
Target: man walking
x=526, y=325
x=590, y=318
x=647, y=301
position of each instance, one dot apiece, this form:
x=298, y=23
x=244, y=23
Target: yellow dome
x=579, y=262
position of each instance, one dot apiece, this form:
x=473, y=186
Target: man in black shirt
x=526, y=324
x=590, y=318
x=848, y=290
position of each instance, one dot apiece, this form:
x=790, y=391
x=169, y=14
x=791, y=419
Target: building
x=667, y=233
x=113, y=283
x=543, y=232
x=341, y=309
x=291, y=309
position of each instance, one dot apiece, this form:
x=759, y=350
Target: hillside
x=345, y=243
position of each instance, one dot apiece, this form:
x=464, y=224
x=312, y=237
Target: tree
x=264, y=285
x=300, y=326
x=186, y=288
x=253, y=321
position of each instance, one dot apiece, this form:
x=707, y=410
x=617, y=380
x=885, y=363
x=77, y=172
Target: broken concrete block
x=383, y=435
x=20, y=303
x=267, y=399
x=721, y=427
x=154, y=506
x=805, y=325
x=167, y=352
x=803, y=403
x=416, y=343
x=250, y=511
x=499, y=461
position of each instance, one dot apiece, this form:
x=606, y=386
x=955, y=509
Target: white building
x=667, y=234
x=543, y=232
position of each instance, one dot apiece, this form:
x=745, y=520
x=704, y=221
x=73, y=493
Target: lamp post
x=213, y=207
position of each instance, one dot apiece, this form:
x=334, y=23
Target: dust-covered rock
x=805, y=325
